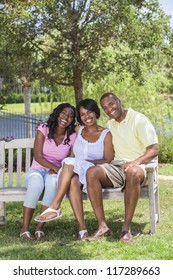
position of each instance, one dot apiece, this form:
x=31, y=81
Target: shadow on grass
x=60, y=243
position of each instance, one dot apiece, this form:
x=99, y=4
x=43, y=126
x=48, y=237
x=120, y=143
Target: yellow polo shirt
x=132, y=135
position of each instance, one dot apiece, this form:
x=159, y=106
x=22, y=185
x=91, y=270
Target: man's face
x=112, y=107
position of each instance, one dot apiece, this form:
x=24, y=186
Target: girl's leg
x=50, y=191
x=64, y=181
x=27, y=216
x=35, y=185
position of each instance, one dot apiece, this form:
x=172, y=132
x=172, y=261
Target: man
x=135, y=144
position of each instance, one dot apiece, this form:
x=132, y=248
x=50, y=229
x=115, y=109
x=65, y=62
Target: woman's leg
x=35, y=184
x=75, y=196
x=50, y=192
x=27, y=216
x=96, y=177
x=64, y=181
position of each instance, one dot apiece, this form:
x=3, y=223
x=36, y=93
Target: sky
x=167, y=6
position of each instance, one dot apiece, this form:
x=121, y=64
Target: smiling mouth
x=113, y=112
x=63, y=121
x=88, y=121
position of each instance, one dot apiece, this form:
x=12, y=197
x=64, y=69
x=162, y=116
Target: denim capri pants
x=37, y=181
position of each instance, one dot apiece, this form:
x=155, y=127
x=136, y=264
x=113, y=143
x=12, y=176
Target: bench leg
x=153, y=202
x=157, y=204
x=2, y=213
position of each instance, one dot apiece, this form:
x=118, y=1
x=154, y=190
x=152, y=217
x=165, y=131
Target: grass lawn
x=36, y=108
x=166, y=169
x=60, y=243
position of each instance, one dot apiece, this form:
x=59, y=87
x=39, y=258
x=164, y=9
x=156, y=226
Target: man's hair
x=108, y=94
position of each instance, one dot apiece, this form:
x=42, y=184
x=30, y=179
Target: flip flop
x=99, y=234
x=49, y=210
x=26, y=235
x=83, y=234
x=126, y=236
x=39, y=235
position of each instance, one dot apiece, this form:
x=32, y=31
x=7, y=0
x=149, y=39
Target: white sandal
x=39, y=235
x=49, y=210
x=83, y=234
x=26, y=235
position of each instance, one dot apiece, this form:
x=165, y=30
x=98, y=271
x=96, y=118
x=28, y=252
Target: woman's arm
x=71, y=154
x=108, y=151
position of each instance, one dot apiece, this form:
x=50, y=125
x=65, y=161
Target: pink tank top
x=53, y=153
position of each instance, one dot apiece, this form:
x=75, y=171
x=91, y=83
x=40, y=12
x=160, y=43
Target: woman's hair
x=53, y=120
x=88, y=104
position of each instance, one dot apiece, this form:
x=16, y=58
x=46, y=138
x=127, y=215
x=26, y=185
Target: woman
x=52, y=144
x=93, y=146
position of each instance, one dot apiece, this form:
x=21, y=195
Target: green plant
x=166, y=169
x=165, y=149
x=14, y=98
x=7, y=138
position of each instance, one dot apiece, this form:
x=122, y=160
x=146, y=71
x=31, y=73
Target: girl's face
x=65, y=117
x=87, y=117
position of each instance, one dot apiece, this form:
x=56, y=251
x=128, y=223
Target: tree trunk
x=1, y=80
x=77, y=83
x=27, y=103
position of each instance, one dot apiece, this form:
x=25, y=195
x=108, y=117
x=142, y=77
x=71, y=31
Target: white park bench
x=12, y=183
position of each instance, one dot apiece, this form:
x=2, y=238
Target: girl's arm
x=38, y=152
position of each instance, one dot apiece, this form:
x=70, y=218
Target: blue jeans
x=37, y=182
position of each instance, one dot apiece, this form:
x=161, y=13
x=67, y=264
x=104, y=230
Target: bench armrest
x=151, y=166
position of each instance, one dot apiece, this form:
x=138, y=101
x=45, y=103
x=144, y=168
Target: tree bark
x=27, y=103
x=77, y=83
x=1, y=80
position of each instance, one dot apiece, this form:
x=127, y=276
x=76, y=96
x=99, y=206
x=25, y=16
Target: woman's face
x=88, y=117
x=65, y=117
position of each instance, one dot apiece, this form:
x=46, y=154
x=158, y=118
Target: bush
x=14, y=98
x=165, y=149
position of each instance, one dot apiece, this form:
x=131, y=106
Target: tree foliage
x=65, y=42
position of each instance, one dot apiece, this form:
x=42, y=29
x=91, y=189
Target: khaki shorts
x=115, y=172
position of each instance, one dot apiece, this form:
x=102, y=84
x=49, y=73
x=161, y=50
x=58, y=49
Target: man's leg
x=134, y=177
x=96, y=177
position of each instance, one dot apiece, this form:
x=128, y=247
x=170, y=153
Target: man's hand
x=130, y=164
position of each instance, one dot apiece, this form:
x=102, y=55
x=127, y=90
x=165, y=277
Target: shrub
x=7, y=138
x=165, y=149
x=14, y=98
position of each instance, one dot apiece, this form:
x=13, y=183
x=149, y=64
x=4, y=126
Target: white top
x=83, y=151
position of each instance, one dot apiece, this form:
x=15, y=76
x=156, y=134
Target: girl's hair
x=88, y=104
x=53, y=120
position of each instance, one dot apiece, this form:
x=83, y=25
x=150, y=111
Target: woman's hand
x=54, y=170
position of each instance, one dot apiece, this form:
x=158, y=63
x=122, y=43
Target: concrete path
x=165, y=177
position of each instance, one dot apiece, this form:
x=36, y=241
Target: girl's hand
x=54, y=170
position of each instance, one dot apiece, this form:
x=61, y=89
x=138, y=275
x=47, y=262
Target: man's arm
x=150, y=153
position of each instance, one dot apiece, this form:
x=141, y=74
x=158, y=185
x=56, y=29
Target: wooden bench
x=12, y=182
